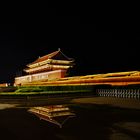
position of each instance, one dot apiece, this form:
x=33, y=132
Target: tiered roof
x=54, y=55
x=53, y=61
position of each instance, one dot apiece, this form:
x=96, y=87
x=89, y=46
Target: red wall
x=52, y=75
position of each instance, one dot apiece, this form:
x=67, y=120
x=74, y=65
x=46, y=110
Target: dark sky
x=97, y=46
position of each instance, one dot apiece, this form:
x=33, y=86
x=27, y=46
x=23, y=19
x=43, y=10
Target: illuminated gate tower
x=49, y=67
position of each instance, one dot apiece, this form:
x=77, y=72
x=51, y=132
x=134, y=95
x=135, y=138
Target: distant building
x=49, y=67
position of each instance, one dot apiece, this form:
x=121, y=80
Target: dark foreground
x=94, y=121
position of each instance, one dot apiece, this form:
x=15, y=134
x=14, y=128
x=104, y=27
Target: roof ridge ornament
x=59, y=49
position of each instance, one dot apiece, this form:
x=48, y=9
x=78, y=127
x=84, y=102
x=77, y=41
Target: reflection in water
x=57, y=114
x=6, y=106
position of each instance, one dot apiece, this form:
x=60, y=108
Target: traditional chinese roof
x=46, y=68
x=58, y=55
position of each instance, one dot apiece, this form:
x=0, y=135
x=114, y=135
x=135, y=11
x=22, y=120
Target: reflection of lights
x=57, y=114
x=5, y=106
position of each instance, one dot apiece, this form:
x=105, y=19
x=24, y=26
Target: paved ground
x=96, y=118
x=117, y=102
x=126, y=124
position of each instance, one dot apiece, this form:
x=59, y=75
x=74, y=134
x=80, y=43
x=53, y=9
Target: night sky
x=97, y=46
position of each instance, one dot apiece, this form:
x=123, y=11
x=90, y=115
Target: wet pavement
x=96, y=118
